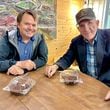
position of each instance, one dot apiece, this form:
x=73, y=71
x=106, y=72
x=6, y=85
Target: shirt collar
x=95, y=39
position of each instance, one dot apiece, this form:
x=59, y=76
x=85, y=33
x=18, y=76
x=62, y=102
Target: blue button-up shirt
x=25, y=49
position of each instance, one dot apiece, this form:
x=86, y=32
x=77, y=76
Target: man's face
x=27, y=26
x=88, y=29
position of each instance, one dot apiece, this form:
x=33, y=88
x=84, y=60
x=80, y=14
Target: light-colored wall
x=66, y=28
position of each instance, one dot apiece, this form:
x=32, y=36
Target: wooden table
x=51, y=94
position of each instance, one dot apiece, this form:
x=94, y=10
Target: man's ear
x=78, y=28
x=97, y=21
x=18, y=25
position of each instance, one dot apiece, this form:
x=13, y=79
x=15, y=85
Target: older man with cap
x=91, y=49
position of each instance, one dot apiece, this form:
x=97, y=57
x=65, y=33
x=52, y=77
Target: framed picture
x=46, y=11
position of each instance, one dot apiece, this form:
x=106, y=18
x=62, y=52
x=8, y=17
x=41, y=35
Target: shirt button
x=25, y=51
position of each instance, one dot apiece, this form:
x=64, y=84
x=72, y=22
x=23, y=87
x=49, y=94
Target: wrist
x=56, y=66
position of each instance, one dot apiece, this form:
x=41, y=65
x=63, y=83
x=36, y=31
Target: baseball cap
x=85, y=13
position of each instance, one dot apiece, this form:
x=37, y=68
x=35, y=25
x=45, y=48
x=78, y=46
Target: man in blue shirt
x=91, y=49
x=23, y=49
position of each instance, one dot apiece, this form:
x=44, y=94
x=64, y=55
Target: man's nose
x=86, y=27
x=30, y=26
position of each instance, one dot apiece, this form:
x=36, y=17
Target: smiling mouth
x=28, y=33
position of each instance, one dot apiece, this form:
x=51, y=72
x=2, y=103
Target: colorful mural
x=45, y=10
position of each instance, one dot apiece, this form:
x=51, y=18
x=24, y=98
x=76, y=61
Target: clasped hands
x=18, y=68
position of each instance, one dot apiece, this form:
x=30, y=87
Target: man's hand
x=15, y=70
x=107, y=97
x=50, y=70
x=26, y=64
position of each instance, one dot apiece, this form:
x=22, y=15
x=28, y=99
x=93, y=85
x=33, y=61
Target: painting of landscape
x=45, y=9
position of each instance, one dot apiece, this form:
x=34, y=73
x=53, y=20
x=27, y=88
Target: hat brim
x=85, y=18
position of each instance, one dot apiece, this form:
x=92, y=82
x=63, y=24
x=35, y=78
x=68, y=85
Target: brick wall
x=66, y=28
